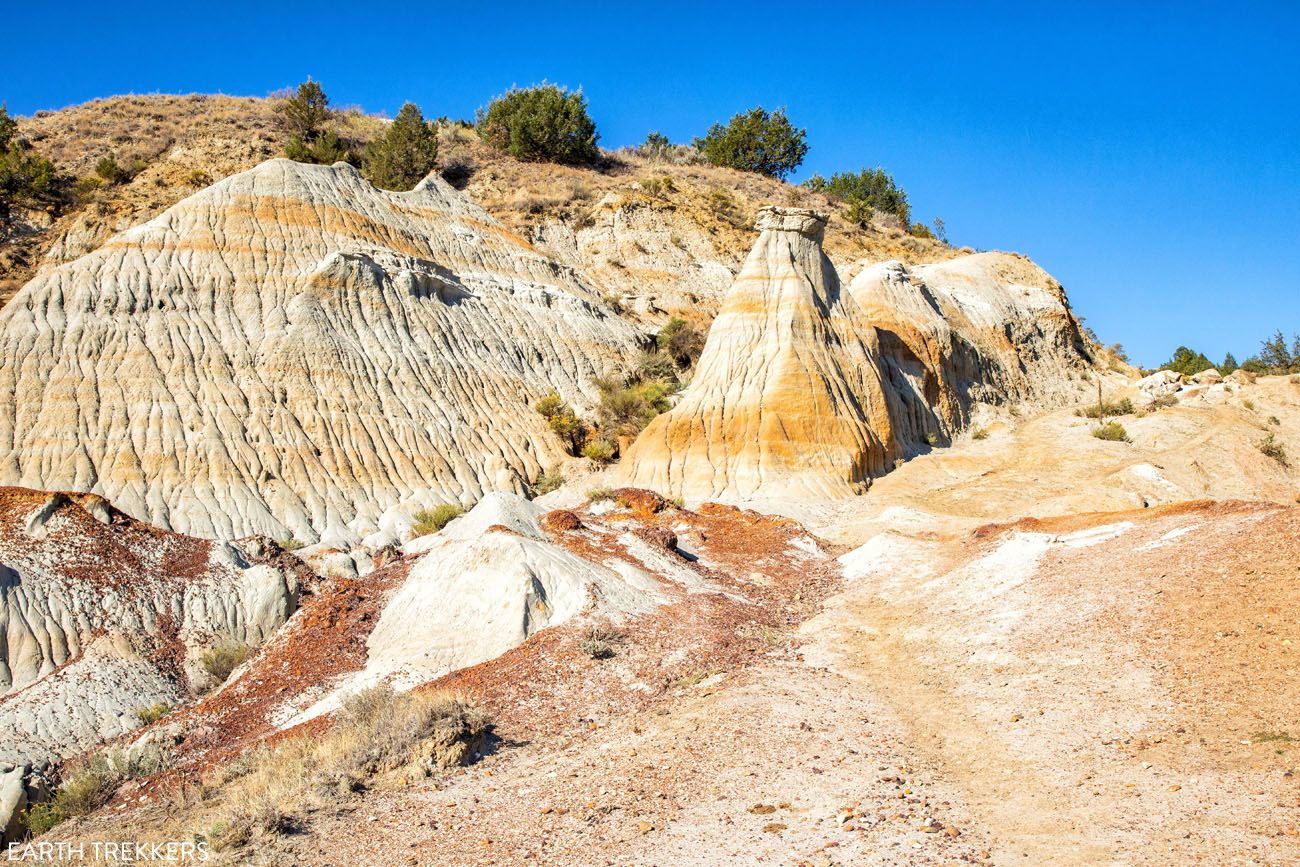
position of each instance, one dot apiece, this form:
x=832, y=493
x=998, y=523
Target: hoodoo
x=807, y=390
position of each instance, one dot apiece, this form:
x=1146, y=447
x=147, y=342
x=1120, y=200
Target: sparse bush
x=1274, y=420
x=432, y=520
x=1270, y=447
x=222, y=659
x=548, y=481
x=599, y=450
x=1104, y=409
x=655, y=146
x=109, y=171
x=756, y=141
x=26, y=178
x=658, y=187
x=626, y=410
x=979, y=433
x=599, y=642
x=931, y=438
x=544, y=123
x=326, y=149
x=680, y=341
x=921, y=230
x=289, y=543
x=43, y=817
x=1164, y=401
x=565, y=423
x=870, y=190
x=198, y=178
x=405, y=153
x=1111, y=431
x=154, y=712
x=378, y=736
x=598, y=495
x=654, y=365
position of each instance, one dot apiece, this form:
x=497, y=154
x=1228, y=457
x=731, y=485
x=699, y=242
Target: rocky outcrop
x=101, y=615
x=293, y=352
x=808, y=389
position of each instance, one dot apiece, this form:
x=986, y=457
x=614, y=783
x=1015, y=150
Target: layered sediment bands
x=292, y=352
x=808, y=389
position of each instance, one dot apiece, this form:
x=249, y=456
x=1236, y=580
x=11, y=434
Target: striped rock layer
x=293, y=352
x=807, y=388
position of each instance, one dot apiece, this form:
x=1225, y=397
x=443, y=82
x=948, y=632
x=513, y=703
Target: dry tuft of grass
x=1111, y=431
x=379, y=738
x=1270, y=447
x=432, y=520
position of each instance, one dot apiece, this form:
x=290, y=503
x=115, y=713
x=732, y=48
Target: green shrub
x=432, y=520
x=654, y=365
x=1274, y=420
x=222, y=659
x=154, y=712
x=871, y=190
x=548, y=481
x=756, y=141
x=109, y=171
x=979, y=433
x=625, y=410
x=561, y=418
x=405, y=153
x=42, y=817
x=1270, y=447
x=921, y=230
x=1188, y=362
x=657, y=188
x=597, y=495
x=680, y=341
x=544, y=123
x=655, y=146
x=26, y=178
x=326, y=149
x=1123, y=406
x=1111, y=431
x=599, y=450
x=859, y=213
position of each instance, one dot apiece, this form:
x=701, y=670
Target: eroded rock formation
x=101, y=615
x=808, y=389
x=292, y=352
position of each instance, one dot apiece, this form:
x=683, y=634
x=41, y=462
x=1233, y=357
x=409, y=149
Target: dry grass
x=379, y=738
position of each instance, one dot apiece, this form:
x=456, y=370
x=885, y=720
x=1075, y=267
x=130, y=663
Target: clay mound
x=101, y=615
x=805, y=390
x=292, y=352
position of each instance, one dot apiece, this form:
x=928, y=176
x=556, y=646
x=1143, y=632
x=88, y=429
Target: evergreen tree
x=1188, y=362
x=544, y=123
x=1275, y=355
x=405, y=153
x=305, y=113
x=756, y=141
x=1229, y=364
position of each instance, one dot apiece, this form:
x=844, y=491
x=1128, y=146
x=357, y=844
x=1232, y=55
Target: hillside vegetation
x=693, y=220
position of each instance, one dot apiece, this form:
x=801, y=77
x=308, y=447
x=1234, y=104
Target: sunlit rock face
x=807, y=388
x=293, y=352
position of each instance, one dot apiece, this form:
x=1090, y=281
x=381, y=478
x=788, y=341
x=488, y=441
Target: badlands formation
x=807, y=389
x=870, y=591
x=293, y=352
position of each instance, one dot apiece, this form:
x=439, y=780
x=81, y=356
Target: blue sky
x=1147, y=154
